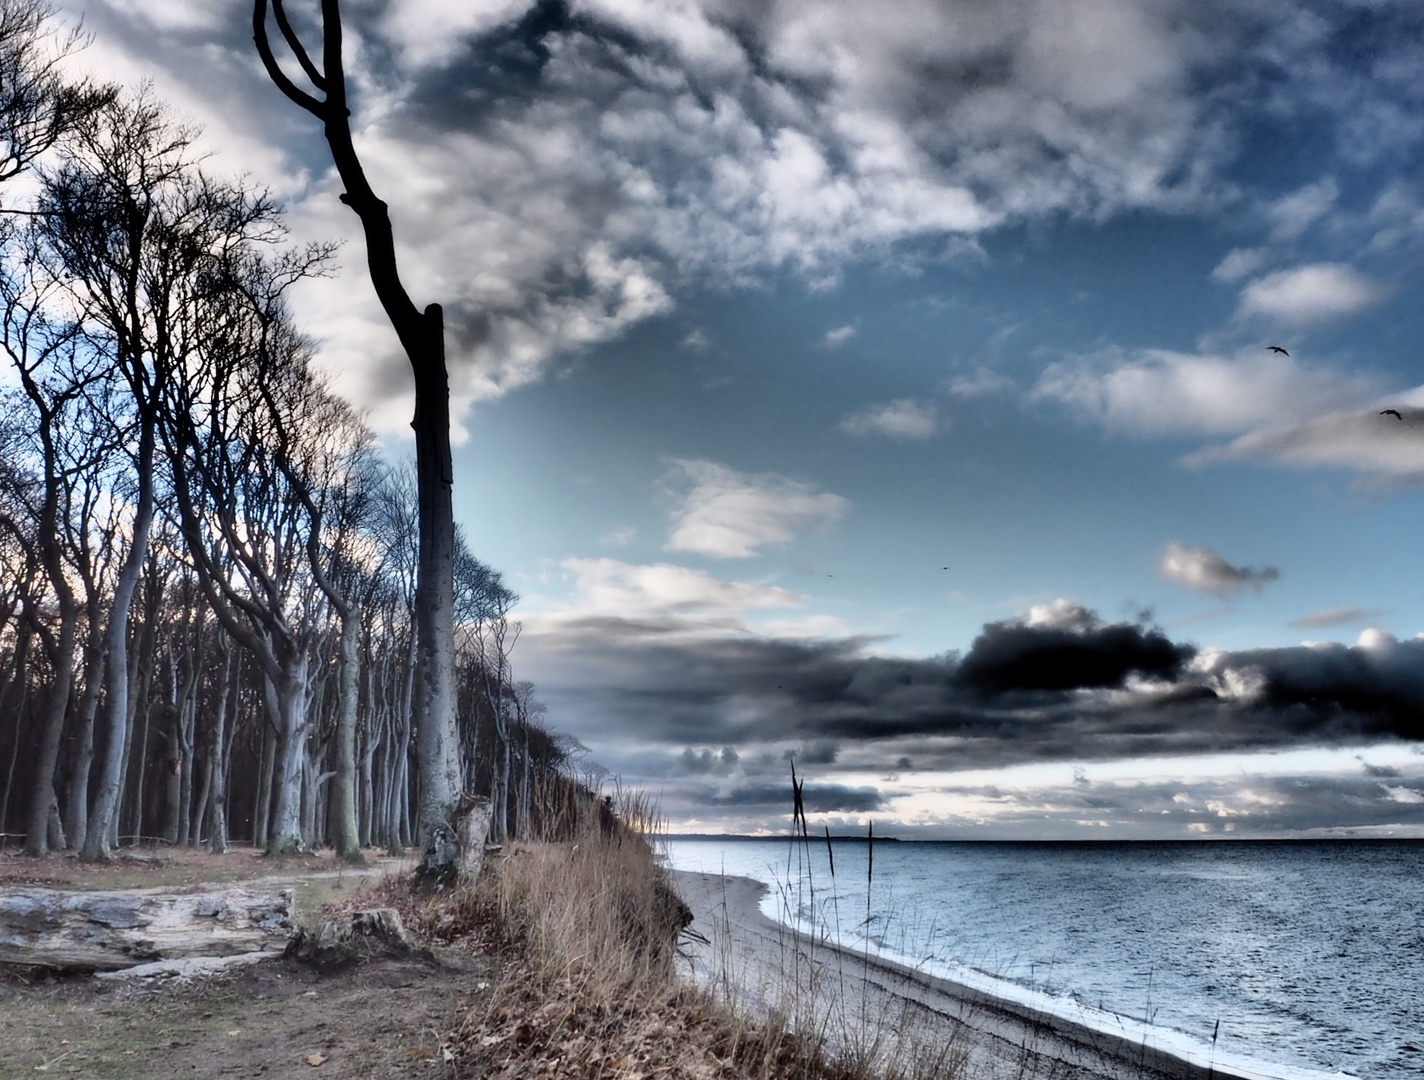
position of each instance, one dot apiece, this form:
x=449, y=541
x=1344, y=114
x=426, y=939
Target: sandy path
x=870, y=1006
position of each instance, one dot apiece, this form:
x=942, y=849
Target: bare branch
x=295, y=44
x=274, y=69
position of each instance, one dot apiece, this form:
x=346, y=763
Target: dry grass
x=583, y=935
x=586, y=934
x=588, y=989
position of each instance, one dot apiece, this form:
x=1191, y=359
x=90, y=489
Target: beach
x=864, y=1005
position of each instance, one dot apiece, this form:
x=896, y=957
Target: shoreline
x=870, y=1006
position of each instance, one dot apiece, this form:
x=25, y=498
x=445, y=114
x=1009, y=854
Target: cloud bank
x=1022, y=692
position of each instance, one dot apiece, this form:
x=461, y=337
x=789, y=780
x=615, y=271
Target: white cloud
x=981, y=383
x=731, y=515
x=1360, y=439
x=1401, y=794
x=1308, y=295
x=619, y=537
x=610, y=587
x=902, y=419
x=1238, y=264
x=1204, y=570
x=839, y=336
x=167, y=15
x=1292, y=214
x=1159, y=392
x=1061, y=614
x=432, y=32
x=1273, y=408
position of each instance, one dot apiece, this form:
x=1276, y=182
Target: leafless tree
x=37, y=104
x=132, y=228
x=422, y=336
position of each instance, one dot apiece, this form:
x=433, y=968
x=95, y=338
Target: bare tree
x=321, y=448
x=37, y=104
x=52, y=372
x=244, y=499
x=422, y=336
x=131, y=227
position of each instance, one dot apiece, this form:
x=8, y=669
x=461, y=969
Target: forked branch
x=274, y=69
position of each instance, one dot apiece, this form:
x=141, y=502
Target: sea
x=1295, y=960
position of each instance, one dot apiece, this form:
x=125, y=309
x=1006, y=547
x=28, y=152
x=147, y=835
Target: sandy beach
x=868, y=1006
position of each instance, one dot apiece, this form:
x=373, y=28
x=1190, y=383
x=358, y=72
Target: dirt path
x=275, y=1019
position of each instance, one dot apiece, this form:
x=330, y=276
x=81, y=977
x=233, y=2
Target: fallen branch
x=107, y=931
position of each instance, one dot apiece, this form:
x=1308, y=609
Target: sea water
x=1279, y=959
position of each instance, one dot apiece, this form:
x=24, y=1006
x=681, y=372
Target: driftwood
x=106, y=931
x=339, y=943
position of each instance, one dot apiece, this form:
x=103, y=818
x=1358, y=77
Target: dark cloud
x=1380, y=771
x=818, y=798
x=707, y=762
x=1320, y=620
x=1250, y=806
x=1015, y=656
x=820, y=752
x=1370, y=689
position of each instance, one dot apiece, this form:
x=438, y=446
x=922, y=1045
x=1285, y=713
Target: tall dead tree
x=422, y=335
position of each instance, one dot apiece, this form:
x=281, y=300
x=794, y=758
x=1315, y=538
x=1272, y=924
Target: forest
x=208, y=566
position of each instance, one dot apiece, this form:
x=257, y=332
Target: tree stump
x=107, y=931
x=340, y=943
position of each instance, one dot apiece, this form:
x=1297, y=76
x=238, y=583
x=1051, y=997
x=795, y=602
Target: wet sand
x=864, y=1005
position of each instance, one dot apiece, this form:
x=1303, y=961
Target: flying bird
x=1277, y=348
x=1391, y=412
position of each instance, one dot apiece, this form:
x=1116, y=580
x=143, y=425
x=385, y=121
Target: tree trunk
x=56, y=707
x=200, y=804
x=262, y=810
x=422, y=336
x=77, y=814
x=21, y=699
x=367, y=774
x=438, y=740
x=117, y=713
x=218, y=752
x=284, y=837
x=107, y=931
x=347, y=835
x=140, y=703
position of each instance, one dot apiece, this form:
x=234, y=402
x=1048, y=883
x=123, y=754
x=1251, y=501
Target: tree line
x=208, y=574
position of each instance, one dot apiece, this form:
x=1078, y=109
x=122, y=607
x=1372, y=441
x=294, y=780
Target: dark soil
x=274, y=1020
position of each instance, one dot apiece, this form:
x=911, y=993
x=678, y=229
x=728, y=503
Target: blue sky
x=887, y=387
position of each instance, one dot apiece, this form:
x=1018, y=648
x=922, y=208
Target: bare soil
x=274, y=1020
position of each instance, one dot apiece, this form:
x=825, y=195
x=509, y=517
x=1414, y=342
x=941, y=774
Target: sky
x=889, y=388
